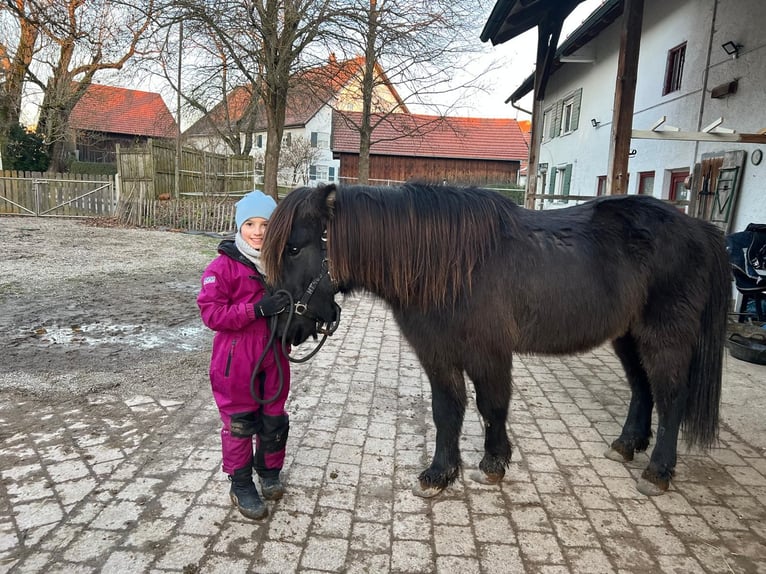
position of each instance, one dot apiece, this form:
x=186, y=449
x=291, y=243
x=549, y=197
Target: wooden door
x=716, y=186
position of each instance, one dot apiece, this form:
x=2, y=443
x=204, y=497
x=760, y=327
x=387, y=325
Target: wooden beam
x=535, y=139
x=699, y=136
x=624, y=96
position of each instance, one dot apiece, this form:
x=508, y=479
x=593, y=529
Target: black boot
x=244, y=495
x=271, y=487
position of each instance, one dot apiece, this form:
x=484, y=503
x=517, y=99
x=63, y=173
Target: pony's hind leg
x=492, y=381
x=638, y=423
x=667, y=367
x=448, y=398
x=656, y=477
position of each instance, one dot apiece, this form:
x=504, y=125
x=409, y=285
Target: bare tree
x=17, y=49
x=419, y=48
x=82, y=38
x=298, y=157
x=207, y=78
x=264, y=40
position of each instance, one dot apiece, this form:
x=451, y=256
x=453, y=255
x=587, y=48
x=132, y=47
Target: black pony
x=472, y=278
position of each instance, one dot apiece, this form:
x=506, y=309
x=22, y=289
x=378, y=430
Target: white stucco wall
x=321, y=122
x=704, y=25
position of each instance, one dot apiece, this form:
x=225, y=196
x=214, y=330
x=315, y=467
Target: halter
x=301, y=309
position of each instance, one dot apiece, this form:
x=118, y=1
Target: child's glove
x=271, y=305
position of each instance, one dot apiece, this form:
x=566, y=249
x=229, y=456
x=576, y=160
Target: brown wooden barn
x=405, y=147
x=108, y=115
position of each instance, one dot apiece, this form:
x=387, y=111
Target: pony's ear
x=326, y=199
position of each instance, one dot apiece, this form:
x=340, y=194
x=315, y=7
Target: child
x=234, y=303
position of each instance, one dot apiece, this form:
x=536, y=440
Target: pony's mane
x=417, y=244
x=279, y=229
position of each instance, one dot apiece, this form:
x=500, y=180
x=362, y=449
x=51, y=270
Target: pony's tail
x=700, y=422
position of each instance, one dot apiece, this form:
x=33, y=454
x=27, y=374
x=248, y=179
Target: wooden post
x=535, y=138
x=624, y=97
x=548, y=33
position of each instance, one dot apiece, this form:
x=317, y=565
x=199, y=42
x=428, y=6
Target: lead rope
x=271, y=346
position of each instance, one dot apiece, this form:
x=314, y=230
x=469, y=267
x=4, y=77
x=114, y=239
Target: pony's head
x=295, y=259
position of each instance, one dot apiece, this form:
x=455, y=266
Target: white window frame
x=567, y=112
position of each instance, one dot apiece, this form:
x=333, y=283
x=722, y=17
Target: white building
x=686, y=76
x=305, y=157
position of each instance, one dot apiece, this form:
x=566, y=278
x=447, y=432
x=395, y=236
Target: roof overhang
x=593, y=25
x=511, y=18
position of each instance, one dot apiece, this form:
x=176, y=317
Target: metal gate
x=57, y=195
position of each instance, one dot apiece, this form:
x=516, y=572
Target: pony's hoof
x=615, y=455
x=648, y=488
x=485, y=478
x=418, y=489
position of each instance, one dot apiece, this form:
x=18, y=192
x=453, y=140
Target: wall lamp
x=731, y=48
x=594, y=122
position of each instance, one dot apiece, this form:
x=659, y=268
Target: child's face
x=253, y=230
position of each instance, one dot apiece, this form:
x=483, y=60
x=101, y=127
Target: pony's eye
x=292, y=250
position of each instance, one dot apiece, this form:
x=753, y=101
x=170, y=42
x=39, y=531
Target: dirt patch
x=88, y=308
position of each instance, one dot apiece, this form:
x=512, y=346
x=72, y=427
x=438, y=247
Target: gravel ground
x=87, y=307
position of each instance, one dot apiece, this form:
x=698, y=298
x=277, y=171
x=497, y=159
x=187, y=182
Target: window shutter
x=567, y=179
x=576, y=109
x=552, y=186
x=314, y=139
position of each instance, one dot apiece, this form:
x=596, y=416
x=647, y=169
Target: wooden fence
x=148, y=172
x=57, y=194
x=189, y=214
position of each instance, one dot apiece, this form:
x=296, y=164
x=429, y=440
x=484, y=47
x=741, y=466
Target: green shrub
x=25, y=151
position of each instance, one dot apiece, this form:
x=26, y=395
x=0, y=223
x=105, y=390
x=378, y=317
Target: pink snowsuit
x=230, y=286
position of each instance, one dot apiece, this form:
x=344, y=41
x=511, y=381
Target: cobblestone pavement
x=138, y=487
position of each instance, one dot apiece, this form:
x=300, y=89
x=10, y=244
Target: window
x=547, y=119
x=287, y=140
x=646, y=182
x=566, y=116
x=561, y=178
x=320, y=140
x=674, y=69
x=259, y=141
x=318, y=173
x=601, y=185
x=331, y=173
x=677, y=190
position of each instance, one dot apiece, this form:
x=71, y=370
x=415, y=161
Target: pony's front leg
x=492, y=381
x=448, y=398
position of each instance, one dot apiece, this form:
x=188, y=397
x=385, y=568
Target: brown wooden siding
x=436, y=170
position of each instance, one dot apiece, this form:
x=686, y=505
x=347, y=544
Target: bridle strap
x=300, y=308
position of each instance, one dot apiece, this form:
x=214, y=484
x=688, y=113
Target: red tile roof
x=122, y=111
x=435, y=136
x=308, y=93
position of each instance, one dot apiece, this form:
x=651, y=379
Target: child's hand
x=271, y=305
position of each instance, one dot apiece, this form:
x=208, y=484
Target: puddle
x=177, y=338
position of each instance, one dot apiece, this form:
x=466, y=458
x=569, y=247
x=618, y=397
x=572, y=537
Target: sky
x=517, y=60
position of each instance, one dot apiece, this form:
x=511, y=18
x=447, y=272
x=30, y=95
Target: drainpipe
x=705, y=78
x=513, y=104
